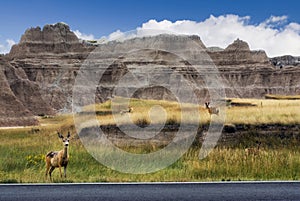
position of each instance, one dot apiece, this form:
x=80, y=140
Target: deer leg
x=47, y=169
x=51, y=170
x=65, y=171
x=59, y=167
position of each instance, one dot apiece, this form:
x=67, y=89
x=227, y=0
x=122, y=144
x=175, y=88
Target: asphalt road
x=153, y=191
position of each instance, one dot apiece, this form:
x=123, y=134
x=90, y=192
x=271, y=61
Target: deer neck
x=65, y=152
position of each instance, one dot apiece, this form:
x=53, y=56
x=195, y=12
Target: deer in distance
x=211, y=110
x=129, y=110
x=253, y=150
x=58, y=159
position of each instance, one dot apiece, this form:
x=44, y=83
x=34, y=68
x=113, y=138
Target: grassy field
x=265, y=111
x=23, y=149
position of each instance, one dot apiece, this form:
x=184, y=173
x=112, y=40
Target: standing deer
x=58, y=159
x=129, y=110
x=211, y=110
x=253, y=150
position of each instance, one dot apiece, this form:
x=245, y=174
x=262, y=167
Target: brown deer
x=58, y=159
x=129, y=110
x=253, y=150
x=211, y=110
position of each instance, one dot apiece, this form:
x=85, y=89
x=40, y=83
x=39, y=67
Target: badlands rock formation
x=20, y=97
x=286, y=60
x=250, y=74
x=50, y=58
x=38, y=75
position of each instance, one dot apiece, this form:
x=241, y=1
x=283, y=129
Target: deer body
x=58, y=159
x=129, y=110
x=211, y=110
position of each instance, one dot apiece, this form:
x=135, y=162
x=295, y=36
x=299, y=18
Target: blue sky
x=101, y=18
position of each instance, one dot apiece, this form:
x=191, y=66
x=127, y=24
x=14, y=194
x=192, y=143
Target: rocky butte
x=38, y=75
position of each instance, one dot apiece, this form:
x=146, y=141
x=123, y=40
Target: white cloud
x=116, y=35
x=5, y=48
x=274, y=35
x=277, y=19
x=275, y=22
x=295, y=27
x=84, y=36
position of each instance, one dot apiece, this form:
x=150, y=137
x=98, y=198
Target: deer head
x=65, y=140
x=211, y=110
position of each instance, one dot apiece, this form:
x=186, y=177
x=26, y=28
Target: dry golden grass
x=148, y=112
x=266, y=111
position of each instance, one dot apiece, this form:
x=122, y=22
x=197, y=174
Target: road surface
x=240, y=191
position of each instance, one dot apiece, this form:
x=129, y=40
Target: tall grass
x=22, y=160
x=23, y=149
x=147, y=112
x=266, y=111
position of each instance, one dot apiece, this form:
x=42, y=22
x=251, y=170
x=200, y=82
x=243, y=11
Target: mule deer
x=58, y=159
x=211, y=110
x=253, y=150
x=129, y=110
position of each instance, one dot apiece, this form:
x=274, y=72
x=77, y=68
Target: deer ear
x=68, y=134
x=60, y=135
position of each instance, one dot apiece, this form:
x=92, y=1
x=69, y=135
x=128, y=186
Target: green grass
x=22, y=160
x=23, y=149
